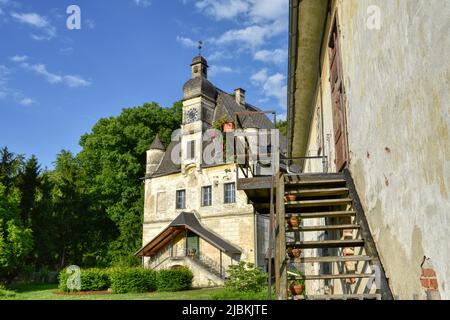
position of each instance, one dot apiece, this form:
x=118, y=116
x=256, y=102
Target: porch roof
x=186, y=220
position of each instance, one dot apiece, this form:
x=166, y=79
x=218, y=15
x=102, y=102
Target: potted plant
x=290, y=197
x=294, y=222
x=297, y=286
x=294, y=252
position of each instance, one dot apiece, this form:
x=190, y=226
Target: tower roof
x=157, y=144
x=199, y=59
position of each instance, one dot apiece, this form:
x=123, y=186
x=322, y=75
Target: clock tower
x=199, y=96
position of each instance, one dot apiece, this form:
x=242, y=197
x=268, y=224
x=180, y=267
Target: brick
x=429, y=273
x=433, y=284
x=425, y=282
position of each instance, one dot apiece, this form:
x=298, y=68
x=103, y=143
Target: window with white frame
x=229, y=193
x=181, y=199
x=206, y=196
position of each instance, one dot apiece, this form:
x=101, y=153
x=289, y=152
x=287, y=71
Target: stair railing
x=209, y=263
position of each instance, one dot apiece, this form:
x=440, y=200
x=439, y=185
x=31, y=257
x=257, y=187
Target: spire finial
x=200, y=47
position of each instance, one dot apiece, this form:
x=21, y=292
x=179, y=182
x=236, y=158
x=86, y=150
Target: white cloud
x=32, y=19
x=273, y=86
x=219, y=55
x=257, y=10
x=215, y=70
x=18, y=58
x=252, y=36
x=142, y=3
x=38, y=22
x=9, y=93
x=223, y=9
x=269, y=9
x=187, y=42
x=72, y=81
x=277, y=56
x=27, y=101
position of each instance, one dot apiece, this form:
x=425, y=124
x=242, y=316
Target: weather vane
x=200, y=46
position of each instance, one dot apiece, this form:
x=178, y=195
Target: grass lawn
x=47, y=292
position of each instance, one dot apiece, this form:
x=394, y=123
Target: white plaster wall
x=398, y=82
x=234, y=222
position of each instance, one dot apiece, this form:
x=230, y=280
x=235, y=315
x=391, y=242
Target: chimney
x=239, y=95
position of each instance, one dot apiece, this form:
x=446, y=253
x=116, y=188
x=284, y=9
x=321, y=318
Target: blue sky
x=56, y=83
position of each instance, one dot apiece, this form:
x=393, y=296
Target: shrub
x=91, y=280
x=174, y=279
x=132, y=280
x=4, y=293
x=245, y=277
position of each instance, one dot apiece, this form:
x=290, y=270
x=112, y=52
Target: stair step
x=325, y=214
x=331, y=276
x=317, y=203
x=330, y=259
x=366, y=296
x=327, y=244
x=318, y=192
x=324, y=228
x=314, y=182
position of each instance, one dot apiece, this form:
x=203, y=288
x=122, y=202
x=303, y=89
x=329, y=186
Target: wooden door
x=337, y=97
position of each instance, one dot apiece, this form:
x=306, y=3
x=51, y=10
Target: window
x=181, y=199
x=229, y=193
x=206, y=196
x=190, y=150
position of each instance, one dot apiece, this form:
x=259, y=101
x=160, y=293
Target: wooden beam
x=280, y=241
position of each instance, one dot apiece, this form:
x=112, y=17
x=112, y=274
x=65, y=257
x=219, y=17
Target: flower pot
x=297, y=289
x=348, y=251
x=294, y=252
x=228, y=127
x=294, y=222
x=350, y=266
x=347, y=233
x=290, y=197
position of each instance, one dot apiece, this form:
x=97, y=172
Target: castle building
x=194, y=215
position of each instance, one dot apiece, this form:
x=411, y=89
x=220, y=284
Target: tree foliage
x=88, y=209
x=113, y=158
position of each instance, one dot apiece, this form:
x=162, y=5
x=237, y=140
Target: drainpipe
x=255, y=226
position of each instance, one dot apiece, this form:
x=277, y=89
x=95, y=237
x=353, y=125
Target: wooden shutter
x=337, y=97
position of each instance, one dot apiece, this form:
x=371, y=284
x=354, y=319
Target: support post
x=280, y=241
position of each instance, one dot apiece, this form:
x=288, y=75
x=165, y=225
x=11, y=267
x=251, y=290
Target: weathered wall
x=234, y=222
x=398, y=82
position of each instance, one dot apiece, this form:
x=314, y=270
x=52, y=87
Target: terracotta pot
x=347, y=233
x=228, y=127
x=296, y=253
x=348, y=251
x=350, y=266
x=290, y=197
x=297, y=289
x=294, y=222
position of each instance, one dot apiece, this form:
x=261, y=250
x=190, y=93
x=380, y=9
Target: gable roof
x=186, y=220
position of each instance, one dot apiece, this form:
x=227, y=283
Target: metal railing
x=210, y=264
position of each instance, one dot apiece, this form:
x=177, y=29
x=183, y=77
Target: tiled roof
x=226, y=106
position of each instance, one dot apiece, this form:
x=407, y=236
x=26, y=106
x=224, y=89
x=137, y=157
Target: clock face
x=192, y=115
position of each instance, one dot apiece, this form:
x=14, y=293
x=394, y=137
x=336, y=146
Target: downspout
x=293, y=41
x=255, y=226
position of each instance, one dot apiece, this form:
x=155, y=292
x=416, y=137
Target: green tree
x=16, y=241
x=29, y=184
x=10, y=168
x=282, y=126
x=113, y=160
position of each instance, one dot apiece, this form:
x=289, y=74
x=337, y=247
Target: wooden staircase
x=338, y=260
